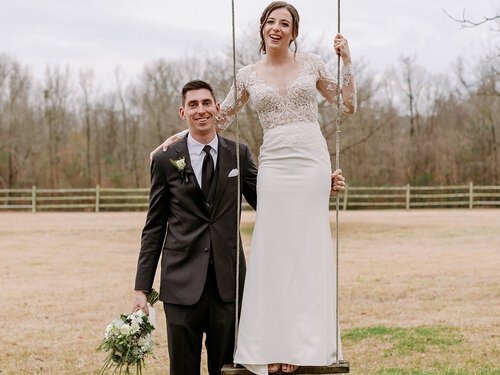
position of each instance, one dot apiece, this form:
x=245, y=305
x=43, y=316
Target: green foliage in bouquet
x=153, y=297
x=128, y=341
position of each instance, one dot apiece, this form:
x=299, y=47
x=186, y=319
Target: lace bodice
x=297, y=104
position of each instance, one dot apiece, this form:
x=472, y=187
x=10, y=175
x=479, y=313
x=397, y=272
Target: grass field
x=420, y=290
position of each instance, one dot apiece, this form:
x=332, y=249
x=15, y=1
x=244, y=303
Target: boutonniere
x=180, y=165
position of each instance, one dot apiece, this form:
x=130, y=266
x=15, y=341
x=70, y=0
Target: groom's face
x=199, y=111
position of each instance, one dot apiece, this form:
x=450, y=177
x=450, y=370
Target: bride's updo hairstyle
x=265, y=15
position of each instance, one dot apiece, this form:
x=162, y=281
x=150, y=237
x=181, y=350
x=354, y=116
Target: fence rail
x=407, y=197
x=94, y=199
x=355, y=197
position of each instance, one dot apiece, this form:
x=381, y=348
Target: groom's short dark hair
x=196, y=84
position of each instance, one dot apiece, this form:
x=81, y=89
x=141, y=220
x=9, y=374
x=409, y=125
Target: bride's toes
x=272, y=368
x=289, y=368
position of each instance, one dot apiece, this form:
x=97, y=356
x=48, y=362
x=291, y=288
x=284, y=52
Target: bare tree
x=16, y=82
x=465, y=22
x=160, y=98
x=56, y=109
x=87, y=85
x=124, y=111
x=4, y=92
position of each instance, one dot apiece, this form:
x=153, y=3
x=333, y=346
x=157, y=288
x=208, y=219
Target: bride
x=288, y=308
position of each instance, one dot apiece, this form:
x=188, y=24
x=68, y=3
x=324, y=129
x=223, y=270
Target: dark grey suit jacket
x=195, y=226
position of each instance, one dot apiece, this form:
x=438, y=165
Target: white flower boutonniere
x=180, y=165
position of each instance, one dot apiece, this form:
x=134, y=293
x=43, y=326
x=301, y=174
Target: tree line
x=65, y=130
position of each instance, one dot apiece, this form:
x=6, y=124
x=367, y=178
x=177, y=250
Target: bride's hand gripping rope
x=338, y=182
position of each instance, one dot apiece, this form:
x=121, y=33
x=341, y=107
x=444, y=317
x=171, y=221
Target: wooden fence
x=95, y=199
x=355, y=197
x=407, y=197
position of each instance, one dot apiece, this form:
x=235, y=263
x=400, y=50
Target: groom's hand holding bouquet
x=128, y=339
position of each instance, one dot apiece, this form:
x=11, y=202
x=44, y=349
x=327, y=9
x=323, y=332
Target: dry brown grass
x=64, y=276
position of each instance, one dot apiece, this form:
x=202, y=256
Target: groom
x=192, y=224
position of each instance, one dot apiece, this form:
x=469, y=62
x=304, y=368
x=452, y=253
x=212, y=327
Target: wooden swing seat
x=337, y=368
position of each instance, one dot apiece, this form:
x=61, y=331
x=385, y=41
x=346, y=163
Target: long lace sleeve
x=227, y=110
x=327, y=86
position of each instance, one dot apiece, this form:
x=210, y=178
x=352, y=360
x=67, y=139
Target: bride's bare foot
x=272, y=368
x=288, y=368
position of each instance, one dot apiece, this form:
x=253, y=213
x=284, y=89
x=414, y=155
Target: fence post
x=471, y=195
x=407, y=196
x=33, y=198
x=97, y=197
x=345, y=197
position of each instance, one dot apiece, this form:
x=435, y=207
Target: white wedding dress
x=288, y=308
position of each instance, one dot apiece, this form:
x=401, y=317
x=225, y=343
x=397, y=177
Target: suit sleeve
x=154, y=230
x=249, y=179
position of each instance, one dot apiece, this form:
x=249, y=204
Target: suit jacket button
x=205, y=249
x=208, y=204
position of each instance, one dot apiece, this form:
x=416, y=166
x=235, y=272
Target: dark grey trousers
x=186, y=325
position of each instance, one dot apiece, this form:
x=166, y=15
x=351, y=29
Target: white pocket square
x=234, y=173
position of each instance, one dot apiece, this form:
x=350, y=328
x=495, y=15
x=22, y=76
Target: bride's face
x=278, y=29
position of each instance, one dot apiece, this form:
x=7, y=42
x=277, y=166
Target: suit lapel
x=226, y=162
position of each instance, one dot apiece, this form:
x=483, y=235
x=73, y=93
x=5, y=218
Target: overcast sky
x=102, y=34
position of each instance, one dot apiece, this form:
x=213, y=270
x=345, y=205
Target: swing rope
x=337, y=166
x=337, y=200
x=238, y=210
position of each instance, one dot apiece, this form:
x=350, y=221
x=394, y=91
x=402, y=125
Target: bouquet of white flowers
x=128, y=340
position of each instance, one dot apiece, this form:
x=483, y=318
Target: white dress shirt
x=196, y=154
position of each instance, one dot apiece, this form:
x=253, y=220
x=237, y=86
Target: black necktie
x=207, y=171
